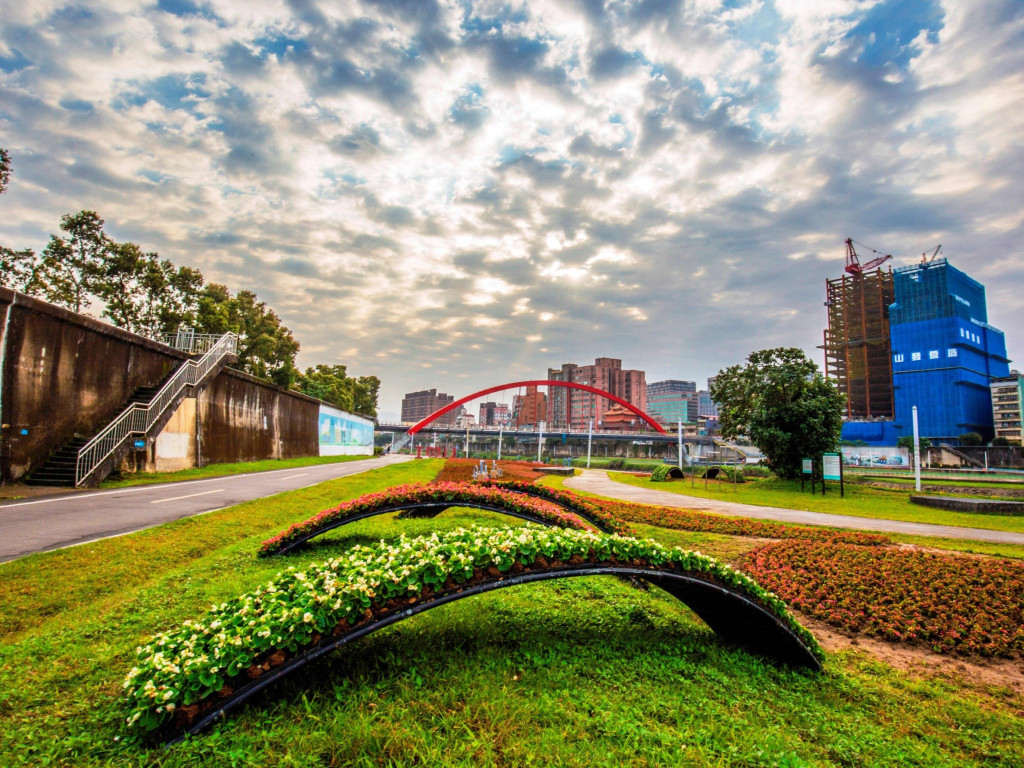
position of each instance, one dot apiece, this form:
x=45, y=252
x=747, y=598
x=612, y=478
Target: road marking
x=190, y=496
x=289, y=477
x=158, y=486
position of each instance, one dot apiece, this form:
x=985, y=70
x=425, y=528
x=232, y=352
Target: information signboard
x=831, y=467
x=807, y=466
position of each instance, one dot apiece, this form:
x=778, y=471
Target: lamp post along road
x=680, y=447
x=917, y=452
x=540, y=440
x=590, y=440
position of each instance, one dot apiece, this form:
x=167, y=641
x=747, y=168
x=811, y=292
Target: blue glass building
x=944, y=352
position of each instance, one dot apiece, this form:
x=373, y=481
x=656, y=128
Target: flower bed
x=423, y=494
x=691, y=520
x=572, y=501
x=461, y=470
x=183, y=673
x=951, y=604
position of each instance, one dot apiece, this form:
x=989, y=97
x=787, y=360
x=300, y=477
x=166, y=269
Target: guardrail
x=186, y=340
x=139, y=419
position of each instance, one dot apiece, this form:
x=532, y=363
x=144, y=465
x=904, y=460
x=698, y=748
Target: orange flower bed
x=461, y=470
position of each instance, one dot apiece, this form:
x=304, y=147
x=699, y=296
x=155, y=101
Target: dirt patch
x=976, y=674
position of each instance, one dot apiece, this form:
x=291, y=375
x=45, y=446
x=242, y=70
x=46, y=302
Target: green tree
x=364, y=395
x=971, y=438
x=266, y=347
x=332, y=384
x=71, y=266
x=782, y=403
x=17, y=268
x=329, y=383
x=907, y=441
x=5, y=170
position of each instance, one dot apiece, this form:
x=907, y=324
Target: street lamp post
x=917, y=452
x=680, y=449
x=540, y=440
x=590, y=440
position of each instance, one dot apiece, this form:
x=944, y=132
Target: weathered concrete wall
x=176, y=447
x=241, y=418
x=64, y=374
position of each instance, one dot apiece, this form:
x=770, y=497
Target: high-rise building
x=944, y=352
x=857, y=342
x=494, y=415
x=1007, y=411
x=416, y=406
x=574, y=408
x=706, y=406
x=529, y=409
x=672, y=401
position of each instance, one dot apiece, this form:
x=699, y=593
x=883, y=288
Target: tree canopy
x=150, y=296
x=783, y=404
x=5, y=170
x=332, y=384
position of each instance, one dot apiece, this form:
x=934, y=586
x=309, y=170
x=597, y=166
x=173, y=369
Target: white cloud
x=461, y=174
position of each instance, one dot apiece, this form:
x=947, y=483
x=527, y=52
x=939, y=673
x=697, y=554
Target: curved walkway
x=597, y=481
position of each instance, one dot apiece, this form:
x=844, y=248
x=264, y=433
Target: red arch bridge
x=659, y=435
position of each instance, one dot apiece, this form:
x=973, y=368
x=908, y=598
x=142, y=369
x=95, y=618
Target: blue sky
x=453, y=194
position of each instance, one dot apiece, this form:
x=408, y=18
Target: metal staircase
x=85, y=461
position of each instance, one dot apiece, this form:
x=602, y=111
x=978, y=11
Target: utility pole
x=917, y=453
x=590, y=440
x=680, y=448
x=540, y=440
x=501, y=429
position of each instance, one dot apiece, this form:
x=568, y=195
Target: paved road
x=60, y=521
x=596, y=481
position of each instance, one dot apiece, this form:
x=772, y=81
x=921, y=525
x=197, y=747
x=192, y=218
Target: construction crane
x=853, y=265
x=928, y=259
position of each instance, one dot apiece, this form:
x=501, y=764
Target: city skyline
x=453, y=195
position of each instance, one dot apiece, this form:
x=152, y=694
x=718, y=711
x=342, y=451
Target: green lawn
x=859, y=501
x=220, y=470
x=587, y=672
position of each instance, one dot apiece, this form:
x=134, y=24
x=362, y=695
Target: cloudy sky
x=454, y=194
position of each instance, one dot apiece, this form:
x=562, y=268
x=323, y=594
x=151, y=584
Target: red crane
x=853, y=265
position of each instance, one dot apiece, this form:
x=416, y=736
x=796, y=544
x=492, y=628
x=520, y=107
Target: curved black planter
x=432, y=509
x=732, y=615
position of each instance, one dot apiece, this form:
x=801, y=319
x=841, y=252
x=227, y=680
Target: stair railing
x=139, y=418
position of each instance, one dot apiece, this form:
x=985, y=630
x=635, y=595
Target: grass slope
x=588, y=672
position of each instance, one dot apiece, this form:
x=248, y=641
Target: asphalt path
x=54, y=522
x=596, y=481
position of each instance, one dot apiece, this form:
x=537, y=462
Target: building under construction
x=857, y=346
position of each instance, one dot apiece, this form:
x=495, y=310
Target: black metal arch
x=731, y=614
x=433, y=509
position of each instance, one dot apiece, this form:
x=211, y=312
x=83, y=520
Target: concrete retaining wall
x=65, y=374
